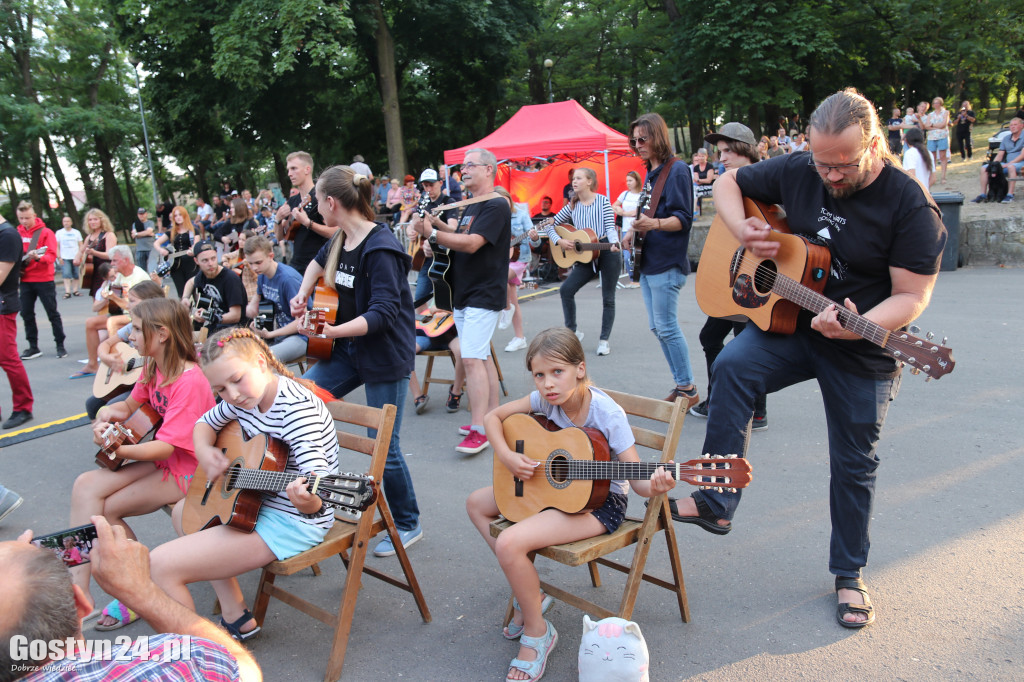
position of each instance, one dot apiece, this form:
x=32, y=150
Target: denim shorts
x=611, y=513
x=939, y=145
x=70, y=270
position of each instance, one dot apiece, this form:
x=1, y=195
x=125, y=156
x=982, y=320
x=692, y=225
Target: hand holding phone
x=72, y=546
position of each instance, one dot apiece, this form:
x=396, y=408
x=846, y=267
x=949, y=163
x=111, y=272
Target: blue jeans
x=424, y=285
x=340, y=376
x=661, y=297
x=855, y=408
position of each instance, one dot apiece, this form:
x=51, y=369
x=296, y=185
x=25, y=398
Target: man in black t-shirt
x=301, y=211
x=885, y=236
x=480, y=250
x=221, y=288
x=10, y=304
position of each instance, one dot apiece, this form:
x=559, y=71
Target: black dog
x=998, y=187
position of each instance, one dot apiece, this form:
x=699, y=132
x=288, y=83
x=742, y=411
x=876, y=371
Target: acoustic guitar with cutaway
x=324, y=313
x=140, y=426
x=293, y=229
x=574, y=469
x=109, y=382
x=575, y=246
x=734, y=284
x=257, y=466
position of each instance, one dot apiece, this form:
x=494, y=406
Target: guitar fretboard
x=811, y=300
x=585, y=470
x=258, y=479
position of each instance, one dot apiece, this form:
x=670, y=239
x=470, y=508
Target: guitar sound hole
x=764, y=276
x=557, y=469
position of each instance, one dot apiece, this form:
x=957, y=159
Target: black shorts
x=611, y=513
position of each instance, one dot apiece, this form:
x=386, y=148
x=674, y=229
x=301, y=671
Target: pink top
x=181, y=404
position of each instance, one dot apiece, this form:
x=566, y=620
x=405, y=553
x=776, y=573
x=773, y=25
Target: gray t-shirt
x=144, y=244
x=605, y=415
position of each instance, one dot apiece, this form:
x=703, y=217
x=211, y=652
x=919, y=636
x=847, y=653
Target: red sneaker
x=465, y=430
x=473, y=443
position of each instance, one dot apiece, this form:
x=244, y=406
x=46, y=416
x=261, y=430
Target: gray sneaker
x=9, y=501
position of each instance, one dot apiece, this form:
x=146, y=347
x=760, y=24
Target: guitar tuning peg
x=929, y=336
x=927, y=380
x=915, y=371
x=944, y=340
x=720, y=489
x=914, y=329
x=925, y=368
x=732, y=490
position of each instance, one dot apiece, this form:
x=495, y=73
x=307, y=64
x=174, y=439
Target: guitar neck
x=586, y=470
x=260, y=480
x=811, y=300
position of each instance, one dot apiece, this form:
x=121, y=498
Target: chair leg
x=497, y=368
x=595, y=577
x=259, y=606
x=677, y=566
x=346, y=612
x=403, y=559
x=429, y=372
x=316, y=569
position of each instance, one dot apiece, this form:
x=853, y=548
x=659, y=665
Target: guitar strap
x=31, y=245
x=659, y=186
x=467, y=202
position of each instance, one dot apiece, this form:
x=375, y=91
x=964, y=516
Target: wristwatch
x=433, y=236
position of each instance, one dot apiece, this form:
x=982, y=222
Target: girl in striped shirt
x=590, y=210
x=260, y=394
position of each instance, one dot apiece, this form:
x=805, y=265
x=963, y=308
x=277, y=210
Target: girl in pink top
x=174, y=386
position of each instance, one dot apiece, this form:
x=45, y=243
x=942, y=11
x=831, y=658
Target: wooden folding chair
x=428, y=375
x=344, y=538
x=639, y=532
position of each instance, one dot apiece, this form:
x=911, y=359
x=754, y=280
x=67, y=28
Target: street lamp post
x=548, y=64
x=135, y=61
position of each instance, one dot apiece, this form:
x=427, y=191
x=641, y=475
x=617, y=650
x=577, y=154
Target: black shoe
x=700, y=410
x=31, y=353
x=17, y=418
x=61, y=353
x=452, y=404
x=760, y=423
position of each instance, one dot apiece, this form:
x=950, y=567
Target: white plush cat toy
x=613, y=650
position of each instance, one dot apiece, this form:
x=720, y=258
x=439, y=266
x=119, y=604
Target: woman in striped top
x=590, y=210
x=264, y=397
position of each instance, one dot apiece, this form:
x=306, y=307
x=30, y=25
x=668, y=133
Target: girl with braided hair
x=258, y=392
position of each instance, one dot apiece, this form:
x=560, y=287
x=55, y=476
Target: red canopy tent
x=565, y=134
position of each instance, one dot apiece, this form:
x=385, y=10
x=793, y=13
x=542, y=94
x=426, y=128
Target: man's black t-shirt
x=10, y=252
x=307, y=242
x=445, y=216
x=895, y=141
x=224, y=291
x=480, y=278
x=890, y=223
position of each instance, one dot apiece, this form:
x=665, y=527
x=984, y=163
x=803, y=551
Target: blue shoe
x=543, y=646
x=386, y=548
x=1008, y=199
x=512, y=631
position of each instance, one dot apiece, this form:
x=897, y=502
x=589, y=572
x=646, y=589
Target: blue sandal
x=543, y=646
x=513, y=631
x=235, y=629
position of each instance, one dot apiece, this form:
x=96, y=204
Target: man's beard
x=848, y=189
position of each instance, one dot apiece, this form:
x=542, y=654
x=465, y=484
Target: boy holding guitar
x=885, y=237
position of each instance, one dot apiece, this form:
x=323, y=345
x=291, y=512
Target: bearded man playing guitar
x=885, y=238
x=298, y=219
x=664, y=228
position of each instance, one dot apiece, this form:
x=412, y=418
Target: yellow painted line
x=43, y=426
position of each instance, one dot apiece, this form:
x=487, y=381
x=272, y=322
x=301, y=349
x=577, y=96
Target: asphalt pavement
x=948, y=526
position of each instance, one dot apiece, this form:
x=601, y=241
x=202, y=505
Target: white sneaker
x=517, y=343
x=579, y=335
x=505, y=318
x=602, y=348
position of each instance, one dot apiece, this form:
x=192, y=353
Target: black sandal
x=705, y=518
x=857, y=585
x=421, y=403
x=235, y=629
x=453, y=401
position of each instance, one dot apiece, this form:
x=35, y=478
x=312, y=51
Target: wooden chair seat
x=429, y=378
x=633, y=532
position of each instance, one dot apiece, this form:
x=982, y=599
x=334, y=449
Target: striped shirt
x=598, y=216
x=300, y=420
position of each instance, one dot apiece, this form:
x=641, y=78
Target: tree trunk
x=281, y=171
x=36, y=189
x=1003, y=99
x=69, y=200
x=113, y=202
x=387, y=81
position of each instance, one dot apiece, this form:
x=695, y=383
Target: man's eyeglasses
x=844, y=169
x=472, y=164
x=634, y=141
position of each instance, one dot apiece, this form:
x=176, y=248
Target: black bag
x=998, y=187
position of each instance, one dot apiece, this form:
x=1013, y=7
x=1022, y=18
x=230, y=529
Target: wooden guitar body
x=325, y=301
x=542, y=441
x=435, y=323
x=109, y=383
x=575, y=246
x=736, y=285
x=224, y=504
x=140, y=426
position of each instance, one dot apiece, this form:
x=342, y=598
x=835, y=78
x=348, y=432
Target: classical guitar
x=293, y=229
x=140, y=426
x=574, y=470
x=574, y=246
x=735, y=284
x=257, y=466
x=643, y=205
x=109, y=383
x=416, y=243
x=323, y=313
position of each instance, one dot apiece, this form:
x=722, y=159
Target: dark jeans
x=47, y=293
x=424, y=285
x=609, y=265
x=340, y=376
x=855, y=410
x=142, y=259
x=963, y=139
x=712, y=340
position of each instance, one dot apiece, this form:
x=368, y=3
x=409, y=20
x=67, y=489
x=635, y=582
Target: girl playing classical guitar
x=565, y=396
x=176, y=389
x=263, y=396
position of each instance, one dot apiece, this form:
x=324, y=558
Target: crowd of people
x=212, y=357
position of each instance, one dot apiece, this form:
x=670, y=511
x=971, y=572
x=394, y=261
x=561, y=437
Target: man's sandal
x=513, y=631
x=121, y=614
x=857, y=585
x=543, y=646
x=235, y=629
x=705, y=518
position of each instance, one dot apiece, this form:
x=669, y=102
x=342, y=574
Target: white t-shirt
x=629, y=201
x=68, y=241
x=912, y=161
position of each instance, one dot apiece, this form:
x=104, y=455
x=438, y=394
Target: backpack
x=998, y=187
